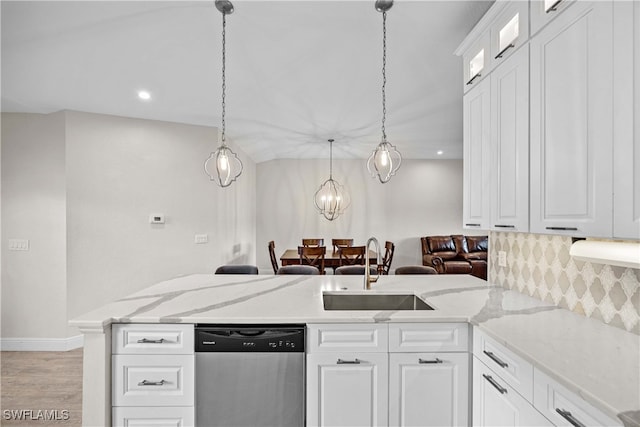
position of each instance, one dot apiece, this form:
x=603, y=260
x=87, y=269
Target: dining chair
x=385, y=266
x=272, y=256
x=313, y=242
x=353, y=270
x=298, y=269
x=311, y=255
x=352, y=255
x=237, y=269
x=416, y=269
x=340, y=243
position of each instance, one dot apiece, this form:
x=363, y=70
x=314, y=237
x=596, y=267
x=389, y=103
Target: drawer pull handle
x=504, y=226
x=499, y=55
x=472, y=225
x=148, y=341
x=147, y=382
x=554, y=7
x=569, y=417
x=494, y=383
x=348, y=362
x=496, y=359
x=470, y=82
x=429, y=361
x=562, y=228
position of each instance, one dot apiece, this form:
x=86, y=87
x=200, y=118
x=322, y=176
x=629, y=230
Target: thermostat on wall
x=156, y=219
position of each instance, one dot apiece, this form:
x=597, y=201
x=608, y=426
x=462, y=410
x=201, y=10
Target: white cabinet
x=571, y=123
x=509, y=30
x=153, y=375
x=496, y=403
x=477, y=62
x=428, y=389
x=476, y=156
x=544, y=11
x=626, y=170
x=510, y=143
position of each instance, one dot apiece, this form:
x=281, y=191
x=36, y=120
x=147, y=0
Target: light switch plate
x=18, y=244
x=156, y=218
x=202, y=238
x=502, y=259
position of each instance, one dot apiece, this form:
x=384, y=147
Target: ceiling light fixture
x=144, y=95
x=385, y=160
x=331, y=199
x=223, y=165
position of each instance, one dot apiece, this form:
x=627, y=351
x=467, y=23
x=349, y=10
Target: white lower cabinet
x=172, y=416
x=496, y=403
x=428, y=389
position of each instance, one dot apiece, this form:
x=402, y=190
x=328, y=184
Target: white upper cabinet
x=510, y=143
x=544, y=11
x=509, y=31
x=477, y=62
x=476, y=156
x=571, y=123
x=626, y=119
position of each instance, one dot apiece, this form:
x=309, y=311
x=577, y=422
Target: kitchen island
x=598, y=362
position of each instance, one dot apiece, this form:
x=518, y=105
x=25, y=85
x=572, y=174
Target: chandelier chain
x=331, y=159
x=224, y=84
x=384, y=74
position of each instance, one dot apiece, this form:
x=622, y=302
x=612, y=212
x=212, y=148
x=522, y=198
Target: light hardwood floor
x=50, y=381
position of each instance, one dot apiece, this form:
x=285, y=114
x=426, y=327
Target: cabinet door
x=626, y=170
x=167, y=416
x=510, y=143
x=571, y=123
x=496, y=404
x=347, y=389
x=476, y=156
x=429, y=389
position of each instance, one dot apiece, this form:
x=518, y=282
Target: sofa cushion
x=470, y=256
x=478, y=243
x=441, y=244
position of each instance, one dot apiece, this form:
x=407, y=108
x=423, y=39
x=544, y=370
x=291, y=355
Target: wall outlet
x=18, y=244
x=502, y=258
x=201, y=238
x=156, y=218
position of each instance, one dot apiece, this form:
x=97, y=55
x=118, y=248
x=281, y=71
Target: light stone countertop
x=601, y=363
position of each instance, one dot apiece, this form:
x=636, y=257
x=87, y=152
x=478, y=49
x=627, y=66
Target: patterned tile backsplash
x=540, y=266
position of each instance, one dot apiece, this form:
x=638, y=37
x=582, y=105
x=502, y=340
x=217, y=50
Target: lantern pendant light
x=331, y=199
x=223, y=165
x=385, y=160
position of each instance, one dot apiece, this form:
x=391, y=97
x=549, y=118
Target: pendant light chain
x=384, y=74
x=224, y=84
x=331, y=159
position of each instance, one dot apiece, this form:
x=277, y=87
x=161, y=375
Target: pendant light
x=223, y=165
x=385, y=160
x=331, y=199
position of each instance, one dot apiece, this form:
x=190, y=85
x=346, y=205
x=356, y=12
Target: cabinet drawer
x=168, y=416
x=152, y=339
x=517, y=372
x=563, y=407
x=412, y=337
x=140, y=380
x=347, y=337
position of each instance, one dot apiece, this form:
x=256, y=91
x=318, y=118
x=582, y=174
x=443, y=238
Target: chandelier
x=385, y=160
x=223, y=165
x=331, y=199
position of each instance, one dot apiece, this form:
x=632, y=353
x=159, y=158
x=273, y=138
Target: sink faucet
x=367, y=273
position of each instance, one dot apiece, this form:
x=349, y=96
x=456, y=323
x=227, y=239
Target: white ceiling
x=298, y=72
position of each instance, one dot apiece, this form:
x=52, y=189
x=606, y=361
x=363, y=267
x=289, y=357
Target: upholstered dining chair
x=354, y=270
x=416, y=269
x=311, y=255
x=298, y=269
x=272, y=256
x=340, y=243
x=313, y=242
x=389, y=248
x=352, y=255
x=237, y=269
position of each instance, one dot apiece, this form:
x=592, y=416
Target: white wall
x=424, y=198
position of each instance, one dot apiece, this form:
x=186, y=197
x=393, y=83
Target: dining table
x=331, y=258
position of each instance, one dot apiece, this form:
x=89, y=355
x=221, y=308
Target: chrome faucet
x=367, y=273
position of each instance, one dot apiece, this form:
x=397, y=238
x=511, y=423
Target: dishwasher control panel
x=249, y=338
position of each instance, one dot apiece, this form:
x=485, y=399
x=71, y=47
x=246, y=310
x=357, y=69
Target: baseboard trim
x=41, y=344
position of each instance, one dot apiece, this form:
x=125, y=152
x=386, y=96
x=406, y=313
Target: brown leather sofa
x=456, y=254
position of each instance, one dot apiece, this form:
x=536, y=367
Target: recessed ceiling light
x=144, y=95
x=440, y=152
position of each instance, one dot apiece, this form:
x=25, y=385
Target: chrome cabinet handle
x=429, y=361
x=562, y=228
x=348, y=362
x=148, y=341
x=569, y=417
x=504, y=226
x=494, y=383
x=472, y=225
x=147, y=382
x=496, y=359
x=554, y=7
x=509, y=46
x=470, y=82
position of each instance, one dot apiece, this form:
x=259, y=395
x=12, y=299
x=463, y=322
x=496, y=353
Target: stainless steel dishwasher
x=250, y=375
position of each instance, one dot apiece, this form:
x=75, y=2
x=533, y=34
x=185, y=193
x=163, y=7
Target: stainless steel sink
x=371, y=301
